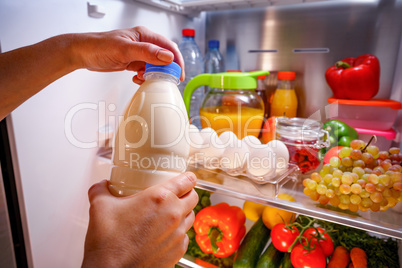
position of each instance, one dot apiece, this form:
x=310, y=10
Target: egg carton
x=262, y=163
x=277, y=178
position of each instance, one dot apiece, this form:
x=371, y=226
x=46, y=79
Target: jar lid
x=260, y=77
x=234, y=80
x=395, y=105
x=299, y=128
x=172, y=68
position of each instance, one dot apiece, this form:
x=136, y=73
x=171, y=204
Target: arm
x=144, y=230
x=27, y=70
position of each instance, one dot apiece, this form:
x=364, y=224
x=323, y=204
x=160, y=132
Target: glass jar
x=240, y=111
x=303, y=138
x=231, y=104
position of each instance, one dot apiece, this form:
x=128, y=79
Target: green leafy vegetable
x=381, y=253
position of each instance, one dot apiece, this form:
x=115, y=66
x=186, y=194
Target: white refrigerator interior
x=56, y=131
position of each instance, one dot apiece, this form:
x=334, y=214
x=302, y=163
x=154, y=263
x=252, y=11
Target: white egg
x=207, y=134
x=262, y=162
x=212, y=148
x=193, y=128
x=228, y=138
x=196, y=142
x=194, y=139
x=251, y=141
x=282, y=154
x=234, y=157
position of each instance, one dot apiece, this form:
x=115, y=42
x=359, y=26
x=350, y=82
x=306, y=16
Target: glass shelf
x=194, y=7
x=216, y=180
x=388, y=223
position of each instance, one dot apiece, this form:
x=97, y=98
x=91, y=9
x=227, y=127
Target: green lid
x=235, y=80
x=228, y=80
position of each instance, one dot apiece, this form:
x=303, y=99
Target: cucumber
x=286, y=263
x=270, y=258
x=252, y=245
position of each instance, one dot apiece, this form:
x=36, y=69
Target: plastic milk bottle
x=151, y=143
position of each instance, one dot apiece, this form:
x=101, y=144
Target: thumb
x=150, y=53
x=99, y=190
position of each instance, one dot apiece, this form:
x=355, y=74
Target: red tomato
x=301, y=258
x=334, y=151
x=282, y=237
x=327, y=245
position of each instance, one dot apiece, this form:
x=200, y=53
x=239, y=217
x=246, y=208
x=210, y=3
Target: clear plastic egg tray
x=274, y=178
x=247, y=158
x=217, y=179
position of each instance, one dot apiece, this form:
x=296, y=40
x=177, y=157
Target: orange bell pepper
x=220, y=229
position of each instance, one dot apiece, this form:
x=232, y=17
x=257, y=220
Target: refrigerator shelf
x=386, y=223
x=216, y=179
x=194, y=7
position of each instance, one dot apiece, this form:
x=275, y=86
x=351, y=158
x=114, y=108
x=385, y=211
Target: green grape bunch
x=361, y=178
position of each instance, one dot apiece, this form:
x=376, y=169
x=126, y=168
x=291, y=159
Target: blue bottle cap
x=172, y=68
x=213, y=44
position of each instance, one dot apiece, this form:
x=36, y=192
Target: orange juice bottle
x=284, y=101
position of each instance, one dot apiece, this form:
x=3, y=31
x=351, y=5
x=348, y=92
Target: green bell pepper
x=340, y=133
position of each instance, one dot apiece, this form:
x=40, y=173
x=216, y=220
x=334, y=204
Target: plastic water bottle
x=214, y=62
x=150, y=144
x=194, y=66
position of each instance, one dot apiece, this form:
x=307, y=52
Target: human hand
x=147, y=229
x=126, y=49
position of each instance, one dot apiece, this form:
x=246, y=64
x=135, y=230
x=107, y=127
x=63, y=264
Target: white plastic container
x=384, y=137
x=150, y=144
x=376, y=114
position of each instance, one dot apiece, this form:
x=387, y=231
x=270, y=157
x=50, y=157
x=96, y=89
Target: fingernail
x=165, y=55
x=191, y=176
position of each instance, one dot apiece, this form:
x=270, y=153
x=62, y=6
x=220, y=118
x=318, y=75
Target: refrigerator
x=54, y=143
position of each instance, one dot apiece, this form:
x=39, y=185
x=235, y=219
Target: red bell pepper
x=355, y=78
x=220, y=229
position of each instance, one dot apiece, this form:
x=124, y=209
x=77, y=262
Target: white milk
x=151, y=144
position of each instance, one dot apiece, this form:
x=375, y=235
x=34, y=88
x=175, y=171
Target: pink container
x=376, y=114
x=384, y=137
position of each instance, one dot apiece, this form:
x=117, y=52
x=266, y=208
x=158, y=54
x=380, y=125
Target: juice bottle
x=150, y=144
x=262, y=92
x=284, y=101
